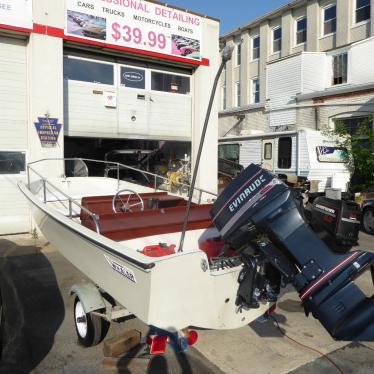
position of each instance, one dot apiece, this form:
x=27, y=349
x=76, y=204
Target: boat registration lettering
x=121, y=269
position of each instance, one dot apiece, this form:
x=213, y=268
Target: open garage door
x=153, y=157
x=14, y=217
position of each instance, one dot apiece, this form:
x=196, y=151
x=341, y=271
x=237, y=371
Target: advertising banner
x=136, y=24
x=16, y=13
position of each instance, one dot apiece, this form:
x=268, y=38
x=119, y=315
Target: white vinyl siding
x=250, y=152
x=311, y=81
x=303, y=156
x=284, y=81
x=361, y=62
x=289, y=77
x=14, y=216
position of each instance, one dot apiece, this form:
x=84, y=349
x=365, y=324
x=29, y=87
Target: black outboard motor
x=336, y=221
x=260, y=209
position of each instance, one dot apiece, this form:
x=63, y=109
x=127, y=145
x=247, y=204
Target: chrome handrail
x=118, y=165
x=71, y=201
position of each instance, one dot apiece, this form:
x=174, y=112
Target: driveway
x=35, y=281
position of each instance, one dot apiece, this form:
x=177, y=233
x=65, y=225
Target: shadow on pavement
x=266, y=327
x=33, y=307
x=189, y=362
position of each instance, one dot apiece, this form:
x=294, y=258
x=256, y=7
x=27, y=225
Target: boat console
x=257, y=215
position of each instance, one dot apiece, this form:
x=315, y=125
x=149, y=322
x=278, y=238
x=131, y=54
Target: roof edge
x=260, y=19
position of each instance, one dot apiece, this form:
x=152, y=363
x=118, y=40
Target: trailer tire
x=368, y=220
x=91, y=329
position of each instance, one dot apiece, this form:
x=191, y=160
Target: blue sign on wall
x=48, y=130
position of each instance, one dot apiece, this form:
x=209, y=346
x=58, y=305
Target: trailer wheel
x=368, y=220
x=91, y=329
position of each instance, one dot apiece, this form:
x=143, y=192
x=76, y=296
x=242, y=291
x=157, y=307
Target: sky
x=232, y=13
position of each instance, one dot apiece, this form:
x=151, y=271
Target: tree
x=358, y=145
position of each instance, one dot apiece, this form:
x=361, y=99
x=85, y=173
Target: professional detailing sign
x=136, y=24
x=48, y=130
x=16, y=13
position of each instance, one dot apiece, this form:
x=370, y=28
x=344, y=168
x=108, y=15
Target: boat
x=111, y=230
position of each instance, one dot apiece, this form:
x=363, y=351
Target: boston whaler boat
x=111, y=230
x=176, y=263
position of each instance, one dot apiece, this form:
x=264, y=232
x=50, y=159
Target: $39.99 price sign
x=135, y=35
x=136, y=24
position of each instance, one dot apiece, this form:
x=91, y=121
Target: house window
x=229, y=152
x=362, y=10
x=284, y=152
x=351, y=124
x=329, y=20
x=268, y=151
x=238, y=54
x=255, y=91
x=237, y=93
x=301, y=30
x=277, y=39
x=132, y=78
x=339, y=68
x=88, y=71
x=170, y=83
x=223, y=97
x=12, y=162
x=256, y=48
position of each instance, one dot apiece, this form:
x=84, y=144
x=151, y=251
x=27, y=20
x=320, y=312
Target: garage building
x=81, y=79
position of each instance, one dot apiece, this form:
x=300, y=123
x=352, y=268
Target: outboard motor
x=336, y=221
x=257, y=215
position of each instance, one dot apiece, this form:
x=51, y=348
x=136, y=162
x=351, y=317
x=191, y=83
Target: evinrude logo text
x=247, y=192
x=121, y=269
x=325, y=208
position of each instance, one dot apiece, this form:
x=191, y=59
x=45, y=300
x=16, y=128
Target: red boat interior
x=162, y=214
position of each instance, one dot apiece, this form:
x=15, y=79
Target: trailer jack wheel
x=91, y=329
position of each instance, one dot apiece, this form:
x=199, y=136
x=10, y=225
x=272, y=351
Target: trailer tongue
x=257, y=215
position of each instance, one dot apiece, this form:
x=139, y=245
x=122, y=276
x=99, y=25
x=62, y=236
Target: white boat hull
x=170, y=293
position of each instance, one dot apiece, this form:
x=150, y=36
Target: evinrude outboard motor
x=257, y=215
x=336, y=221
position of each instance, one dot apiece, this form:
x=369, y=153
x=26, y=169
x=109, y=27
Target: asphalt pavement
x=40, y=336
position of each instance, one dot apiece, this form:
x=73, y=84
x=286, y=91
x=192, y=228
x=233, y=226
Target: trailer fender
x=89, y=295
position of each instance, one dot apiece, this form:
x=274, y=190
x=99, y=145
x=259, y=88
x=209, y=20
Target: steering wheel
x=126, y=206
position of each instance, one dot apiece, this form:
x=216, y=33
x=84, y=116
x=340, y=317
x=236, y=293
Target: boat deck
x=162, y=214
